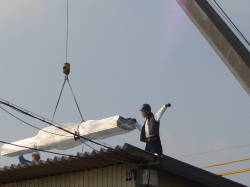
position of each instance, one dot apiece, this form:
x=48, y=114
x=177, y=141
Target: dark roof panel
x=108, y=157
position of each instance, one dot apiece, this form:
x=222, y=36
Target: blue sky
x=124, y=54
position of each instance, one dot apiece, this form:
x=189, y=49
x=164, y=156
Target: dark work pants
x=154, y=146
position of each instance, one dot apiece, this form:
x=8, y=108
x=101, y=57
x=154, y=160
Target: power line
x=30, y=124
x=26, y=112
x=102, y=144
x=106, y=160
x=42, y=129
x=35, y=149
x=234, y=172
x=226, y=163
x=195, y=154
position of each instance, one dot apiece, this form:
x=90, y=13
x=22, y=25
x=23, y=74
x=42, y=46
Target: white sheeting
x=93, y=129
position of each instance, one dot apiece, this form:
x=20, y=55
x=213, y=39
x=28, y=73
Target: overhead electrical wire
x=202, y=153
x=31, y=125
x=26, y=112
x=102, y=144
x=52, y=152
x=243, y=160
x=43, y=129
x=31, y=114
x=142, y=163
x=9, y=104
x=235, y=172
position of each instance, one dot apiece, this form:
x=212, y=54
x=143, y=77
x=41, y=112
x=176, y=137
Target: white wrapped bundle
x=54, y=138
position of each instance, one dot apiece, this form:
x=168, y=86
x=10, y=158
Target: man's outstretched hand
x=134, y=120
x=168, y=105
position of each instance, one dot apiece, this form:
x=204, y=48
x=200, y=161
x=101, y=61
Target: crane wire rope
x=66, y=69
x=234, y=26
x=59, y=99
x=226, y=17
x=67, y=31
x=75, y=99
x=45, y=120
x=67, y=37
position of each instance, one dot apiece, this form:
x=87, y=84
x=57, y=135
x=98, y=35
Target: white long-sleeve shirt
x=157, y=117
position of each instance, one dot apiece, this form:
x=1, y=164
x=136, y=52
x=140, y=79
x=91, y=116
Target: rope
x=65, y=79
x=67, y=31
x=226, y=17
x=234, y=26
x=75, y=100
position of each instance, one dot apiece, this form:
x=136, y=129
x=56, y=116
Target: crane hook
x=66, y=68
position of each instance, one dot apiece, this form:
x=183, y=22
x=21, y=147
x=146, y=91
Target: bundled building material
x=54, y=138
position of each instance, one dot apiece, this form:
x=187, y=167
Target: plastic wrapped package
x=54, y=138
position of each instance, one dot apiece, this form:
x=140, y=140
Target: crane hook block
x=66, y=68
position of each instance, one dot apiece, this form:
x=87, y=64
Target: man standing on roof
x=150, y=129
x=35, y=157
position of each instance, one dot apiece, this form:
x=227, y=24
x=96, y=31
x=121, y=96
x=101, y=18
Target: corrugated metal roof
x=108, y=157
x=78, y=162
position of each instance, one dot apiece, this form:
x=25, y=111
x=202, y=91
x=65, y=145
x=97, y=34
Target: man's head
x=35, y=156
x=145, y=110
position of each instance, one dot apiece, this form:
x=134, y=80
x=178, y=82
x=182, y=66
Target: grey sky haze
x=124, y=54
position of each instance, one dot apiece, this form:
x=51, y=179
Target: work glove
x=168, y=105
x=134, y=120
